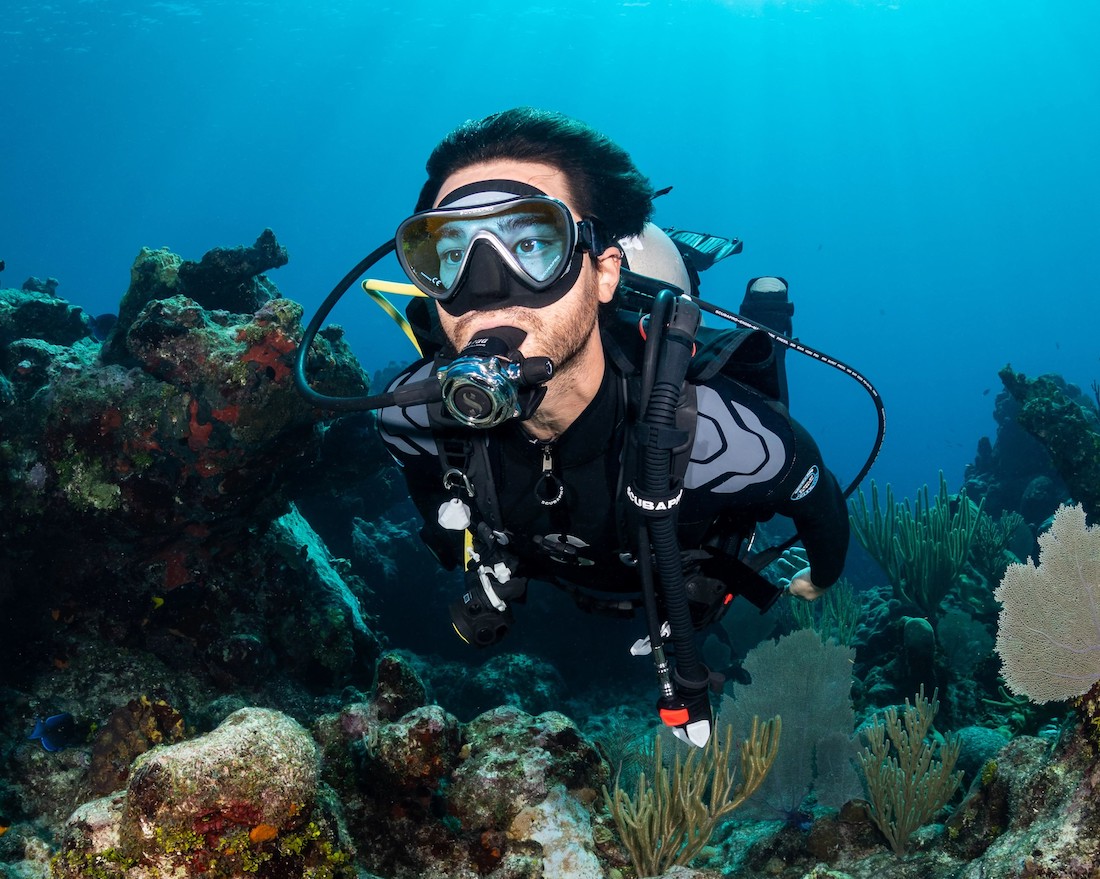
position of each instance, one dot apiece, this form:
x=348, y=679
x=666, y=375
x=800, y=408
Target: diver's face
x=558, y=330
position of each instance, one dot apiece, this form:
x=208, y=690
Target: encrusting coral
x=148, y=479
x=1069, y=431
x=242, y=799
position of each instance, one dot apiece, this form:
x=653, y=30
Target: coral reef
x=1069, y=430
x=516, y=679
x=426, y=795
x=1031, y=813
x=922, y=546
x=168, y=479
x=225, y=279
x=130, y=730
x=34, y=314
x=1015, y=472
x=514, y=760
x=155, y=566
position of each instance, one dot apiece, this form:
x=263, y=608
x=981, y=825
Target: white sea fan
x=1048, y=633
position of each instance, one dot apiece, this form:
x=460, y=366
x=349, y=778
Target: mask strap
x=590, y=237
x=496, y=187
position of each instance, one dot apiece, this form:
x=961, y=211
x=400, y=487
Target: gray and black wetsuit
x=749, y=460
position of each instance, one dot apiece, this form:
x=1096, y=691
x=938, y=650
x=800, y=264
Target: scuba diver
x=571, y=421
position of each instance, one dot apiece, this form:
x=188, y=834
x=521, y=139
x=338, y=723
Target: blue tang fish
x=55, y=733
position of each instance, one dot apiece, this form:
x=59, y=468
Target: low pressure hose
x=324, y=401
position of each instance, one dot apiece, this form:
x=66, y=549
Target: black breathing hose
x=339, y=404
x=675, y=343
x=813, y=353
x=765, y=557
x=658, y=316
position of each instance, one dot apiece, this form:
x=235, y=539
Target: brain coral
x=1048, y=634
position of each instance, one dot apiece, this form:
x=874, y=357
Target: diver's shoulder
x=406, y=430
x=418, y=370
x=728, y=390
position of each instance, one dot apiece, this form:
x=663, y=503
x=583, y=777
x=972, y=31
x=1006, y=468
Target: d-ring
x=455, y=478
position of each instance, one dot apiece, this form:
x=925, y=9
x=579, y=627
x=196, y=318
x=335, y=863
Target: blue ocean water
x=923, y=172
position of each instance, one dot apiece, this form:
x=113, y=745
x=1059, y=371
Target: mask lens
x=534, y=237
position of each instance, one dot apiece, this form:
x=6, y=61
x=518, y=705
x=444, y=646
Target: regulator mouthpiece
x=490, y=382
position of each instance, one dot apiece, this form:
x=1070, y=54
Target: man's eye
x=531, y=245
x=451, y=257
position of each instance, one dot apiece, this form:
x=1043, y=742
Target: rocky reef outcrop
x=152, y=474
x=1044, y=452
x=391, y=786
x=226, y=278
x=427, y=795
x=1068, y=428
x=243, y=799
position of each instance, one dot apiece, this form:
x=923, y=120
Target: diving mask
x=492, y=241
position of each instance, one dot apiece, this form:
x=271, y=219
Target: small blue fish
x=55, y=733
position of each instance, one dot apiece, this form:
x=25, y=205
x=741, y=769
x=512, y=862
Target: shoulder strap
x=466, y=466
x=747, y=356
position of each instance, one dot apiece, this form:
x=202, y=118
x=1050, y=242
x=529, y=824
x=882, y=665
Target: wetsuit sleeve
x=406, y=433
x=812, y=499
x=750, y=458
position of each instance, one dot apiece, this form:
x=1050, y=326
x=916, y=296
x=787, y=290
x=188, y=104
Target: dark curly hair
x=602, y=178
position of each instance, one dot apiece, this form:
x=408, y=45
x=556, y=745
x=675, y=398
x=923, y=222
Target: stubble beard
x=562, y=338
x=568, y=336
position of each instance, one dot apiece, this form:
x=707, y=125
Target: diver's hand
x=803, y=586
x=789, y=565
x=794, y=574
